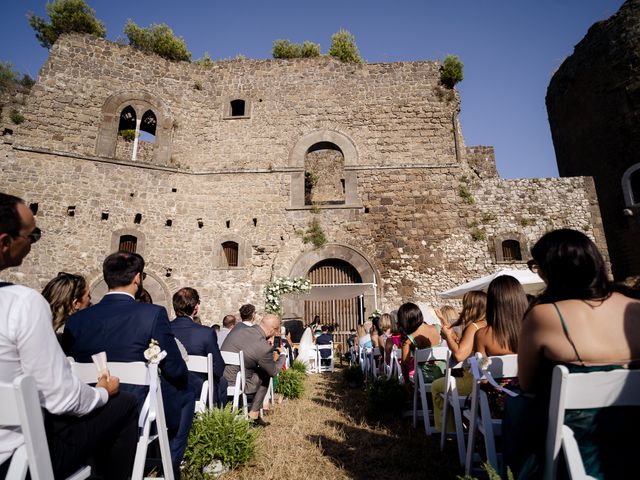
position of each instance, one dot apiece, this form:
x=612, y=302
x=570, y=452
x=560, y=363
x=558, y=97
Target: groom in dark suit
x=198, y=340
x=123, y=329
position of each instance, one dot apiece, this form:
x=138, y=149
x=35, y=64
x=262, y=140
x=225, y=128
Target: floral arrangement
x=282, y=286
x=153, y=354
x=375, y=315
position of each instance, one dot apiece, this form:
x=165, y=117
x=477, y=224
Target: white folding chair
x=201, y=364
x=453, y=400
x=373, y=368
x=421, y=388
x=570, y=391
x=237, y=391
x=139, y=373
x=319, y=365
x=393, y=368
x=479, y=416
x=21, y=408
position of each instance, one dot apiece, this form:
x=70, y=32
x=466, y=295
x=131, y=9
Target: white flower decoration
x=153, y=354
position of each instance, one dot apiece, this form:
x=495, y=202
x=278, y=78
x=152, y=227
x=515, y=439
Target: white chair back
x=319, y=365
x=421, y=388
x=139, y=373
x=393, y=368
x=453, y=400
x=237, y=391
x=202, y=364
x=21, y=408
x=579, y=391
x=503, y=366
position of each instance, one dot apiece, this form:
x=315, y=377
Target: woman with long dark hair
x=585, y=322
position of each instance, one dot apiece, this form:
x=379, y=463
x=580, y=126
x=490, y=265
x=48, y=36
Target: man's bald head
x=270, y=324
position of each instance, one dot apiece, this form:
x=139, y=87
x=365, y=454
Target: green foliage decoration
x=158, y=39
x=344, y=48
x=218, y=434
x=314, y=234
x=274, y=290
x=452, y=71
x=386, y=396
x=129, y=134
x=16, y=117
x=290, y=383
x=65, y=16
x=298, y=366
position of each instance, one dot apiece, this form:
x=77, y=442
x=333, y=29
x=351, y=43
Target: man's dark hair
x=229, y=321
x=185, y=301
x=324, y=328
x=120, y=268
x=10, y=221
x=247, y=311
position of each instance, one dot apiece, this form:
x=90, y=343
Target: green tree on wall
x=344, y=48
x=452, y=71
x=65, y=16
x=158, y=39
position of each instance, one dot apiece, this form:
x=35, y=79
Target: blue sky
x=510, y=49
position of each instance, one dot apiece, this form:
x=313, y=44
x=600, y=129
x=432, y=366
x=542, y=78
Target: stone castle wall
x=421, y=219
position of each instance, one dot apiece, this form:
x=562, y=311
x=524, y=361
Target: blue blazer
x=201, y=340
x=123, y=328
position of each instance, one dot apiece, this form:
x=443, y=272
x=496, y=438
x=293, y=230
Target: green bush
x=290, y=383
x=353, y=375
x=344, y=48
x=218, y=434
x=26, y=81
x=298, y=366
x=452, y=71
x=65, y=16
x=386, y=396
x=158, y=39
x=286, y=49
x=205, y=61
x=466, y=196
x=8, y=76
x=310, y=49
x=314, y=234
x=129, y=135
x=16, y=117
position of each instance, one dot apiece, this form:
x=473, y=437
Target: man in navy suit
x=198, y=340
x=123, y=329
x=325, y=338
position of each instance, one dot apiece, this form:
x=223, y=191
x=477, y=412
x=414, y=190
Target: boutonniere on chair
x=153, y=354
x=484, y=363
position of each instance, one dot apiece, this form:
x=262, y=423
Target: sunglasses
x=34, y=236
x=533, y=266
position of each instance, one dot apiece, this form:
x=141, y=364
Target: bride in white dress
x=307, y=349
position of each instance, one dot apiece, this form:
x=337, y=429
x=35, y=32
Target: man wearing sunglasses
x=80, y=421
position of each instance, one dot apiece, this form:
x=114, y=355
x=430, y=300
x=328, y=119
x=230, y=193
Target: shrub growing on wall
x=158, y=39
x=344, y=48
x=288, y=49
x=65, y=16
x=452, y=71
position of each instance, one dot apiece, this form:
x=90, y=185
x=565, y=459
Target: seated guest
x=247, y=315
x=143, y=296
x=584, y=322
x=261, y=361
x=448, y=316
x=417, y=334
x=123, y=328
x=228, y=322
x=215, y=327
x=80, y=421
x=325, y=338
x=198, y=340
x=364, y=336
x=66, y=293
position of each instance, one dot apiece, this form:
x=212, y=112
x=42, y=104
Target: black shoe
x=259, y=422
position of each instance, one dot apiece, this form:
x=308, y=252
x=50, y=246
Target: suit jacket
x=201, y=340
x=123, y=329
x=258, y=355
x=324, y=339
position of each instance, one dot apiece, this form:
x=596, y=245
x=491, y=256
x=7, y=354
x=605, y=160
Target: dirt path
x=325, y=435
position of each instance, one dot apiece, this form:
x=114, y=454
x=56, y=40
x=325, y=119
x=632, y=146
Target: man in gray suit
x=261, y=360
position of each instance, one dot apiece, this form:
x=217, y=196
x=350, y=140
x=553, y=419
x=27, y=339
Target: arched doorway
x=343, y=312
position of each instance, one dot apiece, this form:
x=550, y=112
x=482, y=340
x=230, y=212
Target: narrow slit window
x=230, y=250
x=511, y=251
x=128, y=243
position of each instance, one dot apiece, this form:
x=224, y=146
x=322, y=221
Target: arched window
x=128, y=243
x=324, y=175
x=511, y=251
x=237, y=108
x=230, y=251
x=148, y=126
x=127, y=124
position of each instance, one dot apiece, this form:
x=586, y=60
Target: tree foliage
x=344, y=48
x=10, y=77
x=158, y=39
x=452, y=71
x=65, y=16
x=288, y=49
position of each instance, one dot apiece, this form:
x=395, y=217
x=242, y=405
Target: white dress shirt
x=28, y=345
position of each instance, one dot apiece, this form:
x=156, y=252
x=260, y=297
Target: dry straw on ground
x=326, y=435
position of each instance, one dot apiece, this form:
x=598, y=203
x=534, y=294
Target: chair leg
x=472, y=431
x=415, y=401
x=425, y=409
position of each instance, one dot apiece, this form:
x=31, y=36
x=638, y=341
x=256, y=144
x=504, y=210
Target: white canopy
x=530, y=281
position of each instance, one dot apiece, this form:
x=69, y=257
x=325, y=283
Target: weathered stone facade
x=411, y=214
x=593, y=102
